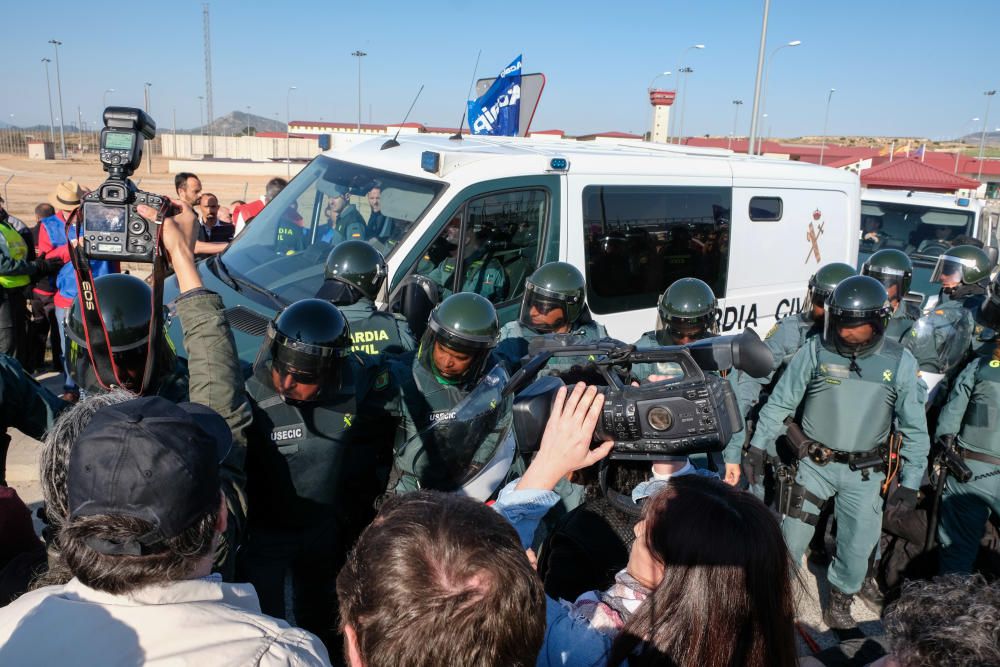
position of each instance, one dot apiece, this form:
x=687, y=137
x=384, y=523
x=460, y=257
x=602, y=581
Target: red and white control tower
x=661, y=100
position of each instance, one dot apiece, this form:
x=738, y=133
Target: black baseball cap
x=150, y=459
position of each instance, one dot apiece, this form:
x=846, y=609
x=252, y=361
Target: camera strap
x=95, y=331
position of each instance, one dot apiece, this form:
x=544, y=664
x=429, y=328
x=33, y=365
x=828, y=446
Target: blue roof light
x=430, y=161
x=558, y=163
x=962, y=201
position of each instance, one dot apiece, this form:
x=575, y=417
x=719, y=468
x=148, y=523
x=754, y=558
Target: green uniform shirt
x=375, y=332
x=515, y=338
x=940, y=339
x=483, y=275
x=973, y=408
x=902, y=321
x=785, y=338
x=852, y=410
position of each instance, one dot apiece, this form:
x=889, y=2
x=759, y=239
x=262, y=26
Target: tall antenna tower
x=208, y=77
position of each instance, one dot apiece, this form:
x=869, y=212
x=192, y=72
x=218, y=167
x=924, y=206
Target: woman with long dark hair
x=708, y=581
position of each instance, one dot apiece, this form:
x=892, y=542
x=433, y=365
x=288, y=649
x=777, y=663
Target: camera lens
x=660, y=418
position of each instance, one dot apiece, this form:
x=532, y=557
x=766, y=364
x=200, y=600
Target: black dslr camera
x=111, y=227
x=689, y=413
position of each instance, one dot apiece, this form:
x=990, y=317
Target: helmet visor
x=299, y=373
x=682, y=330
x=854, y=332
x=951, y=271
x=451, y=359
x=896, y=282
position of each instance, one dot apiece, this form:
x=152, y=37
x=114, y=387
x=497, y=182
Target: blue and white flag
x=498, y=110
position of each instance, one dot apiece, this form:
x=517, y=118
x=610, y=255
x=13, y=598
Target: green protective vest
x=485, y=278
x=375, y=332
x=307, y=462
x=942, y=338
x=973, y=408
x=784, y=339
x=18, y=250
x=424, y=399
x=902, y=320
x=847, y=411
x=514, y=341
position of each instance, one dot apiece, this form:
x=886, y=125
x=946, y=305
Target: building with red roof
x=912, y=174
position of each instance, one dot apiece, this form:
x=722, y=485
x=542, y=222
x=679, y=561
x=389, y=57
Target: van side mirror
x=417, y=297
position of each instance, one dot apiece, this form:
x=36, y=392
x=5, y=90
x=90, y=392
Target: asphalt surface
x=812, y=589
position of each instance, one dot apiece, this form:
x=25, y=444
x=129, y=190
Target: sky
x=913, y=68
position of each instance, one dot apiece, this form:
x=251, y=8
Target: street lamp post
x=149, y=158
x=104, y=98
x=982, y=138
x=767, y=72
x=826, y=117
x=201, y=117
x=288, y=129
x=62, y=130
x=736, y=116
x=248, y=121
x=680, y=125
x=657, y=77
x=48, y=89
x=678, y=70
x=761, y=50
x=359, y=54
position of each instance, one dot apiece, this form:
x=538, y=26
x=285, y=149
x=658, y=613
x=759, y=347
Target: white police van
x=923, y=225
x=633, y=217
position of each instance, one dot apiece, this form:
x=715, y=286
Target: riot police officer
x=318, y=455
x=355, y=272
x=126, y=308
x=852, y=383
x=455, y=353
x=969, y=423
x=942, y=339
x=685, y=313
x=785, y=338
x=554, y=302
x=484, y=273
x=894, y=269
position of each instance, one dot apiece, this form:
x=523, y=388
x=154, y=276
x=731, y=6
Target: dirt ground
x=30, y=182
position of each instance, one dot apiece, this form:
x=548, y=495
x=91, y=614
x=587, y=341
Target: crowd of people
x=354, y=497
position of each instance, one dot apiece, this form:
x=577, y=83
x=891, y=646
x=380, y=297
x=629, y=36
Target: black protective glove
x=904, y=499
x=753, y=465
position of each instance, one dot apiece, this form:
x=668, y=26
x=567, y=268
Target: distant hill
x=235, y=123
x=973, y=138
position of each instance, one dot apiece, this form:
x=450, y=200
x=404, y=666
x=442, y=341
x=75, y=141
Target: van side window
x=499, y=234
x=766, y=209
x=639, y=239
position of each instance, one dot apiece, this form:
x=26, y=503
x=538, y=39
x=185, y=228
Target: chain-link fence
x=14, y=141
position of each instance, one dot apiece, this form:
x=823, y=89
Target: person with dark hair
x=213, y=234
x=243, y=213
x=188, y=188
x=377, y=226
x=708, y=579
x=43, y=325
x=343, y=220
x=146, y=516
x=456, y=572
x=951, y=620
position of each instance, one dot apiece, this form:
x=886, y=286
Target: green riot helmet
x=857, y=301
x=357, y=264
x=821, y=286
x=126, y=308
x=961, y=265
x=554, y=298
x=303, y=350
x=686, y=312
x=461, y=334
x=893, y=269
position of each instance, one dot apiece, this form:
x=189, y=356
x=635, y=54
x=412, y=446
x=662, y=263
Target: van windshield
x=922, y=232
x=283, y=249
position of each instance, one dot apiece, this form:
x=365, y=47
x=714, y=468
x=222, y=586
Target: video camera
x=690, y=413
x=112, y=229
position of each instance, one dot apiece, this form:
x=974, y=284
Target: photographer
x=708, y=559
x=212, y=375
